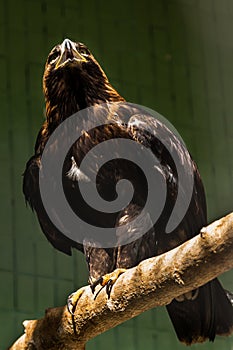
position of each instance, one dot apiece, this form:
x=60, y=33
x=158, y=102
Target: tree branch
x=154, y=282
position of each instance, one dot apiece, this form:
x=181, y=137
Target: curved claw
x=73, y=299
x=70, y=305
x=109, y=286
x=106, y=281
x=93, y=285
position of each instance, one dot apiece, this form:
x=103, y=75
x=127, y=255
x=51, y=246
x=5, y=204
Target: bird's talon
x=106, y=281
x=109, y=287
x=99, y=281
x=70, y=304
x=73, y=299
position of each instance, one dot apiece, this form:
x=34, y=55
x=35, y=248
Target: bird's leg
x=73, y=299
x=107, y=281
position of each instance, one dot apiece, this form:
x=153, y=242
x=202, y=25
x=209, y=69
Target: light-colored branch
x=155, y=281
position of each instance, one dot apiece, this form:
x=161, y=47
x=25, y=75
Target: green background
x=173, y=56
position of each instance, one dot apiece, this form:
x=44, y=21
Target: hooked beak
x=69, y=54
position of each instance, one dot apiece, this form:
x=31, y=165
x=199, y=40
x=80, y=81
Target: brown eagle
x=73, y=80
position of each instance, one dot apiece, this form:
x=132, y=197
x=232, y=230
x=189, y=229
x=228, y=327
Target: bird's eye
x=83, y=51
x=53, y=57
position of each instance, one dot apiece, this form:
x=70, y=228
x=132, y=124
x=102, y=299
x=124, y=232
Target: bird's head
x=74, y=80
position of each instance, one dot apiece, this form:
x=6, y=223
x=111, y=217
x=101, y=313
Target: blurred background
x=174, y=56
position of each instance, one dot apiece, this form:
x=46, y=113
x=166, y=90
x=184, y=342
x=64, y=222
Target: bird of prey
x=73, y=80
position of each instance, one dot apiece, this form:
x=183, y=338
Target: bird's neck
x=72, y=101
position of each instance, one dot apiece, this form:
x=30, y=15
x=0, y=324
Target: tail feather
x=209, y=314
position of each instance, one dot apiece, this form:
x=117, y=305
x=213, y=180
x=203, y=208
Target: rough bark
x=155, y=281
